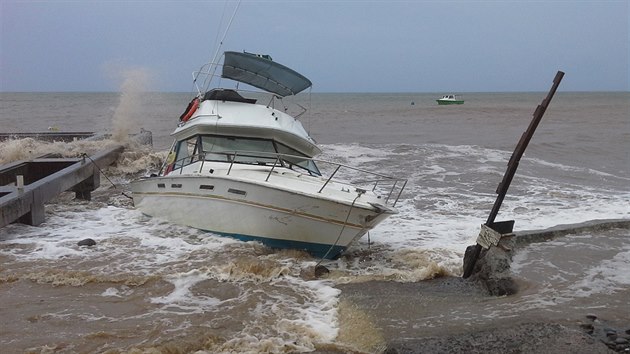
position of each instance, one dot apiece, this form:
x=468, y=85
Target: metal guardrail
x=389, y=184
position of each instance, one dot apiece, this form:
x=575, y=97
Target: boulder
x=87, y=242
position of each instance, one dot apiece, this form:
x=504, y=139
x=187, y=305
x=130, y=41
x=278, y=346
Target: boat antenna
x=213, y=63
x=308, y=117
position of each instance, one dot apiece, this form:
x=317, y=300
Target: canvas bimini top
x=261, y=72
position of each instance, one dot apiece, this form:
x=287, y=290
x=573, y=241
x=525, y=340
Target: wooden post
x=472, y=255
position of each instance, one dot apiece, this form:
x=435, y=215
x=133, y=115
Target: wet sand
x=406, y=313
x=455, y=315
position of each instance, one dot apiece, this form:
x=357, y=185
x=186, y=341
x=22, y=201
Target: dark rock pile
x=492, y=268
x=617, y=339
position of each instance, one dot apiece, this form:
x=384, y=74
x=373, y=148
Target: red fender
x=190, y=110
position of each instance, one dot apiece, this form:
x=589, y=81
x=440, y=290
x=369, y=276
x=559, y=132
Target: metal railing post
x=399, y=193
x=272, y=167
x=232, y=164
x=329, y=178
x=203, y=160
x=391, y=191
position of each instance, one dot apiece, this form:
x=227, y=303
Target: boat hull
x=447, y=102
x=277, y=217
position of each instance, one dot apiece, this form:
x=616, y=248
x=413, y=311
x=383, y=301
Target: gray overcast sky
x=342, y=46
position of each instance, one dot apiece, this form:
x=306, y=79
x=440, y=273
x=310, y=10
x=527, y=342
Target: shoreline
x=398, y=310
x=455, y=315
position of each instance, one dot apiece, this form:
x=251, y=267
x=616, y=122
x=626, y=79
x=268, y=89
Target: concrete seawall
x=493, y=266
x=456, y=315
x=526, y=237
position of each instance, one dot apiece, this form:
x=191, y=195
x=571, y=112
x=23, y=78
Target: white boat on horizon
x=247, y=170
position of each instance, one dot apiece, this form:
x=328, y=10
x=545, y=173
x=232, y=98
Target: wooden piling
x=473, y=252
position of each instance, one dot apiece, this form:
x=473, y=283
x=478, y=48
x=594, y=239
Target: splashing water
x=28, y=148
x=135, y=82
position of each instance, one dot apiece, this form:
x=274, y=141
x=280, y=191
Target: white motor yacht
x=247, y=170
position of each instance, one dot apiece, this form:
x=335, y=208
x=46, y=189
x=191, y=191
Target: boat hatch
x=227, y=95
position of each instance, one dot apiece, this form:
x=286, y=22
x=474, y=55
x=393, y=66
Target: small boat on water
x=247, y=170
x=450, y=99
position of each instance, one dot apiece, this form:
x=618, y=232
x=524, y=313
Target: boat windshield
x=242, y=150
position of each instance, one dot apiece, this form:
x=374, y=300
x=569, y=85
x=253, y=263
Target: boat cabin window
x=242, y=150
x=220, y=148
x=187, y=152
x=304, y=163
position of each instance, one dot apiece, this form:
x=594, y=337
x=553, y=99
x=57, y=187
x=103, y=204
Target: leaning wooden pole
x=472, y=255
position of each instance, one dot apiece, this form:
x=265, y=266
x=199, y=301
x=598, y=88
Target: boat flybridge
x=247, y=170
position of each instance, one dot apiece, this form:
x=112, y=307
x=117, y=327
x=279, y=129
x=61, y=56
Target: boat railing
x=205, y=75
x=383, y=184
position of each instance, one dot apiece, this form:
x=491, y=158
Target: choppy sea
x=151, y=286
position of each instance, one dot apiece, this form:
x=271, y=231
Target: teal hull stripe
x=449, y=102
x=318, y=250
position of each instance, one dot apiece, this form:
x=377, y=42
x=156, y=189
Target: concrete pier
x=43, y=179
x=26, y=185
